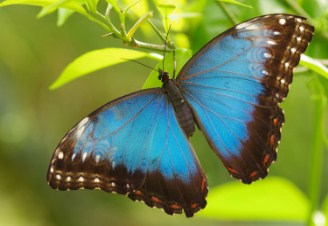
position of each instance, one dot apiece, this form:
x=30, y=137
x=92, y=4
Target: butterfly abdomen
x=182, y=110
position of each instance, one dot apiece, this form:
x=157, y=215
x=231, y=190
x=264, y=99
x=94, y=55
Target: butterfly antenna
x=174, y=64
x=165, y=44
x=154, y=69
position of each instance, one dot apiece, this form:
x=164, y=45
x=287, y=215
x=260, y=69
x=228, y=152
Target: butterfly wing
x=235, y=83
x=132, y=146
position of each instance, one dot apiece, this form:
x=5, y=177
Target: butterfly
x=138, y=145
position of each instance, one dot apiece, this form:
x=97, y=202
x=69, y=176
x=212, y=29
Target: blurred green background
x=33, y=119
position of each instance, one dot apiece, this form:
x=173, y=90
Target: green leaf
x=325, y=209
x=27, y=2
x=182, y=56
x=50, y=5
x=75, y=5
x=92, y=5
x=63, y=15
x=271, y=199
x=114, y=4
x=96, y=60
x=179, y=16
x=166, y=10
x=235, y=3
x=314, y=65
x=140, y=8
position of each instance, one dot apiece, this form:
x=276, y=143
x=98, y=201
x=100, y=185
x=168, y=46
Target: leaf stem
x=157, y=31
x=109, y=26
x=317, y=153
x=229, y=15
x=299, y=10
x=139, y=23
x=151, y=46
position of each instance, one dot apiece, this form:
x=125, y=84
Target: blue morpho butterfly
x=137, y=145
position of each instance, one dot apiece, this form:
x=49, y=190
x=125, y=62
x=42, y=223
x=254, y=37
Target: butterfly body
x=138, y=144
x=182, y=110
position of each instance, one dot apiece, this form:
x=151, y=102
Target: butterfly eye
x=163, y=76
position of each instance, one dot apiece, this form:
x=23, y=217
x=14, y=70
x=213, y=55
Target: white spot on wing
x=61, y=155
x=271, y=42
x=81, y=179
x=80, y=127
x=96, y=180
x=282, y=21
x=267, y=55
x=253, y=27
x=73, y=156
x=83, y=122
x=264, y=72
x=276, y=33
x=242, y=25
x=79, y=132
x=298, y=20
x=283, y=81
x=97, y=158
x=84, y=156
x=277, y=95
x=68, y=179
x=286, y=64
x=298, y=39
x=293, y=49
x=58, y=177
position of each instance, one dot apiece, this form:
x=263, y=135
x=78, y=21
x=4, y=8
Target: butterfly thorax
x=182, y=110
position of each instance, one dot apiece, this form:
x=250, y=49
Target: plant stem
x=110, y=27
x=157, y=31
x=229, y=15
x=139, y=23
x=299, y=10
x=317, y=155
x=151, y=46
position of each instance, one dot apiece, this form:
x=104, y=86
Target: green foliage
x=235, y=2
x=314, y=65
x=96, y=60
x=257, y=202
x=193, y=24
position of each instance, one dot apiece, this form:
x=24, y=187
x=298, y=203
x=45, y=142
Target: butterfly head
x=163, y=76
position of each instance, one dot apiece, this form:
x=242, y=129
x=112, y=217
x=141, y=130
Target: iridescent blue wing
x=132, y=146
x=235, y=83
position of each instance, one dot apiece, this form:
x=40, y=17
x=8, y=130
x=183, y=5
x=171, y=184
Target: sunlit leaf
x=114, y=4
x=325, y=209
x=63, y=15
x=235, y=3
x=166, y=10
x=96, y=60
x=270, y=199
x=52, y=4
x=92, y=5
x=51, y=8
x=179, y=16
x=138, y=8
x=182, y=40
x=314, y=65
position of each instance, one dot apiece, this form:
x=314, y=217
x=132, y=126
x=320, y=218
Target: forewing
x=235, y=83
x=132, y=146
